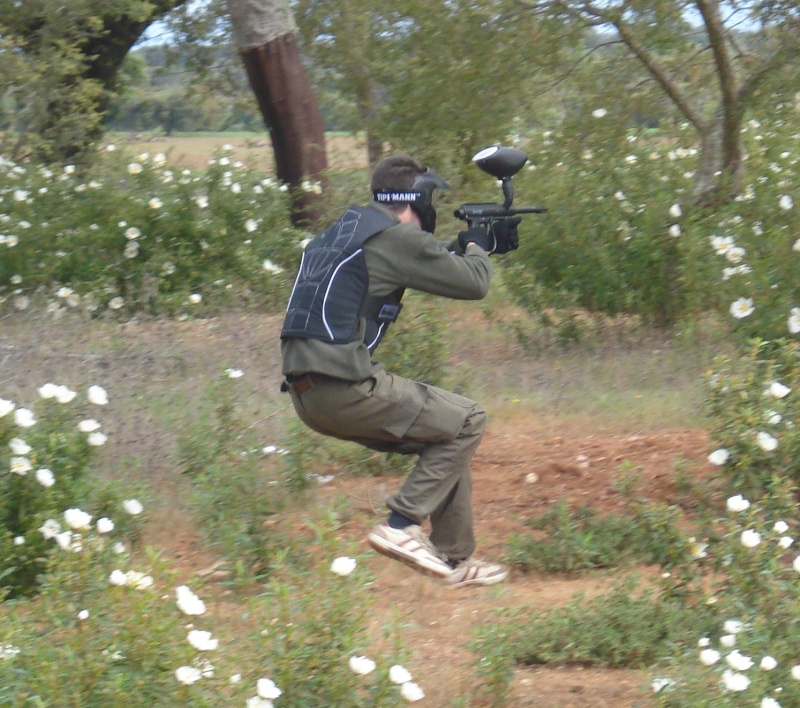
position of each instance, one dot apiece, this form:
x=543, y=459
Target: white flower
x=742, y=307
x=767, y=663
x=118, y=578
x=250, y=225
x=794, y=320
x=21, y=466
x=361, y=665
x=195, y=298
x=48, y=390
x=778, y=390
x=202, y=202
x=411, y=692
x=63, y=393
x=187, y=675
x=734, y=681
x=188, y=602
x=709, y=657
x=399, y=674
x=769, y=703
x=269, y=266
x=785, y=542
x=266, y=688
x=256, y=702
x=97, y=439
x=599, y=113
x=735, y=254
x=77, y=519
x=738, y=661
x=6, y=407
x=45, y=477
x=750, y=538
x=119, y=547
x=105, y=525
x=88, y=426
x=343, y=565
x=719, y=457
x=704, y=642
x=134, y=168
x=97, y=395
x=24, y=418
x=234, y=373
x=64, y=540
x=49, y=529
x=780, y=527
x=697, y=549
x=773, y=417
x=732, y=626
x=202, y=641
x=236, y=678
x=155, y=203
x=675, y=230
x=766, y=442
x=796, y=672
x=737, y=503
x=786, y=202
x=19, y=540
x=19, y=446
x=115, y=303
x=132, y=507
x=675, y=211
x=727, y=640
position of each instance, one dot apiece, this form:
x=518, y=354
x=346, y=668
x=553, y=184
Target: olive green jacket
x=402, y=256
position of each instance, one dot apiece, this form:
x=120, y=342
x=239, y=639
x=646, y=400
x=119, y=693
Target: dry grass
x=256, y=150
x=158, y=375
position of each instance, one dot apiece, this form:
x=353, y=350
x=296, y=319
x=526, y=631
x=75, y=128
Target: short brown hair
x=395, y=173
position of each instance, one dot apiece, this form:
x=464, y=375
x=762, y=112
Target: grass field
x=195, y=150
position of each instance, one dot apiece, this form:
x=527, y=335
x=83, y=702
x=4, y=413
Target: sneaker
x=410, y=546
x=474, y=571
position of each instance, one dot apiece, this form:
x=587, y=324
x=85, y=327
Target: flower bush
x=134, y=234
x=622, y=235
x=45, y=454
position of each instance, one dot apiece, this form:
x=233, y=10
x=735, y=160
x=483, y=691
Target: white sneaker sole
x=427, y=566
x=485, y=580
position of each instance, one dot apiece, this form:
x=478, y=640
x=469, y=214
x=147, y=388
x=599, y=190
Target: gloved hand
x=479, y=235
x=505, y=234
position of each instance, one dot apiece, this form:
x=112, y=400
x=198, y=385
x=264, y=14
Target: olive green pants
x=393, y=414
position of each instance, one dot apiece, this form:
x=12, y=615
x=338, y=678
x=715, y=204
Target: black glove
x=505, y=234
x=479, y=235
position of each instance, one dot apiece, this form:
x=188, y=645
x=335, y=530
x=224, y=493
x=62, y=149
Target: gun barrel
x=467, y=212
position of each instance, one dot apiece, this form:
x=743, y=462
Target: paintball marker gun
x=502, y=163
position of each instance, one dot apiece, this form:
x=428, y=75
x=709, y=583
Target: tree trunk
x=368, y=110
x=720, y=169
x=267, y=38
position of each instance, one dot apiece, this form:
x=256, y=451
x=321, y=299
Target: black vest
x=329, y=297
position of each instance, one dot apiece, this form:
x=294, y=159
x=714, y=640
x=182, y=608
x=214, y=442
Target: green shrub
x=630, y=626
x=581, y=539
x=131, y=234
x=622, y=236
x=753, y=416
x=46, y=451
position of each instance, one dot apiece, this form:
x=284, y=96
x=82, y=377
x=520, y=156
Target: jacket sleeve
x=406, y=257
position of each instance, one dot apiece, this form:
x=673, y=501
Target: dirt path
x=439, y=622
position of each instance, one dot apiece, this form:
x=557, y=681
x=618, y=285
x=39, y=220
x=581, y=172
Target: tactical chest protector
x=329, y=297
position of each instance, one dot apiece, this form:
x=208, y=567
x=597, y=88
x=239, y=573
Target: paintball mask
x=420, y=196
